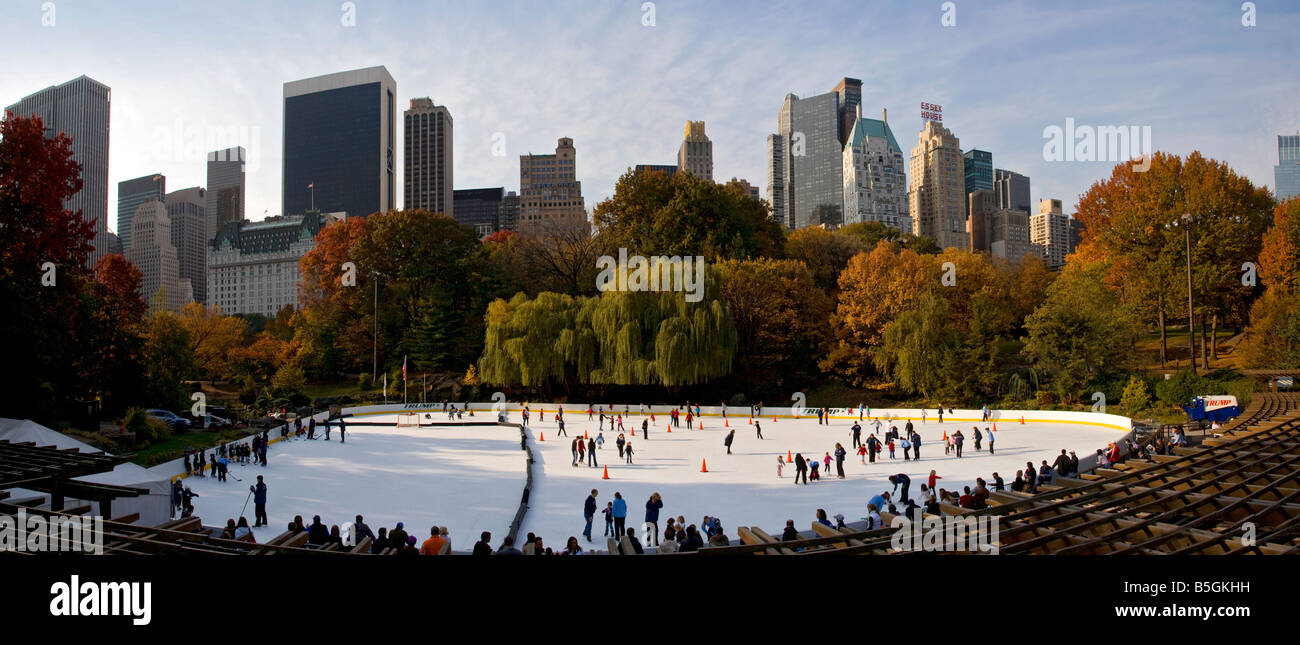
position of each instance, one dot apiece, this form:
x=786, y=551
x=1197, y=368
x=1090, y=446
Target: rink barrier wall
x=958, y=416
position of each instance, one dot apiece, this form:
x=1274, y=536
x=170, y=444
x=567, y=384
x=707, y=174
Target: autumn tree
x=824, y=252
x=1134, y=224
x=1273, y=338
x=652, y=214
x=874, y=288
x=213, y=339
x=780, y=315
x=110, y=327
x=43, y=250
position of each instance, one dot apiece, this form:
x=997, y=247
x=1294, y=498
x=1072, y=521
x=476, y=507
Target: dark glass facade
x=332, y=142
x=479, y=208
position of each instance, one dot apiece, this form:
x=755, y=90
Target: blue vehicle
x=177, y=423
x=1221, y=407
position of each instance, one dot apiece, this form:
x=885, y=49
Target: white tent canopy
x=154, y=508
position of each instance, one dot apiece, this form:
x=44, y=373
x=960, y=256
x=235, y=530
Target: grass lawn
x=174, y=447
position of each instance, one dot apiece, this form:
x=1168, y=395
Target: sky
x=622, y=77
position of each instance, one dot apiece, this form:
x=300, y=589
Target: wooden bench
x=768, y=539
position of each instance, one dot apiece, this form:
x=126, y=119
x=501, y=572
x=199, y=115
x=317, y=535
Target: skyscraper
x=1000, y=232
x=480, y=208
x=1050, y=229
x=79, y=108
x=1011, y=189
x=978, y=167
x=875, y=176
x=848, y=94
x=936, y=194
x=550, y=196
x=225, y=192
x=187, y=210
x=811, y=180
x=339, y=143
x=427, y=161
x=130, y=194
x=696, y=152
x=1286, y=174
x=776, y=177
x=153, y=253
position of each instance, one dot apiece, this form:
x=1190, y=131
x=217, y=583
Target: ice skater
x=780, y=467
x=627, y=450
x=591, y=453
x=560, y=423
x=758, y=427
x=730, y=437
x=259, y=502
x=800, y=468
x=343, y=431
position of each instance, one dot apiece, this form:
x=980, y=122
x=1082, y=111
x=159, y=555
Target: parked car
x=216, y=423
x=177, y=423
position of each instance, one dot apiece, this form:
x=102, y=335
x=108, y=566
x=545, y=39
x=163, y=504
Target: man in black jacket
x=259, y=502
x=1062, y=464
x=800, y=469
x=589, y=512
x=484, y=544
x=317, y=533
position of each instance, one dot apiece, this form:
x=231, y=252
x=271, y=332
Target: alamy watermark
x=1098, y=143
x=658, y=273
x=22, y=533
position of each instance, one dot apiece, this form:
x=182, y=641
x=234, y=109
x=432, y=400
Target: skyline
x=623, y=90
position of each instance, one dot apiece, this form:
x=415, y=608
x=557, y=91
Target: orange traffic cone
x=1022, y=419
x=995, y=426
x=789, y=457
x=751, y=421
x=606, y=475
x=633, y=431
x=726, y=424
x=670, y=427
x=704, y=466
x=541, y=436
x=584, y=435
x=774, y=418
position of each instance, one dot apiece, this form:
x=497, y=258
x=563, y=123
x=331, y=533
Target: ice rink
x=466, y=478
x=471, y=478
x=743, y=488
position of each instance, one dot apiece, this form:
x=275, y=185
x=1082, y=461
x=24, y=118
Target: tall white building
x=936, y=193
x=253, y=266
x=696, y=152
x=875, y=176
x=153, y=253
x=79, y=108
x=1050, y=229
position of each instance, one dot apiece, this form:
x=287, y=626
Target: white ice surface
x=742, y=489
x=471, y=478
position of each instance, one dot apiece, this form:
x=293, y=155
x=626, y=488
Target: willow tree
x=616, y=338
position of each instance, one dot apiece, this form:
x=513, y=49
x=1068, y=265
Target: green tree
x=1081, y=332
x=651, y=214
x=1136, y=396
x=168, y=361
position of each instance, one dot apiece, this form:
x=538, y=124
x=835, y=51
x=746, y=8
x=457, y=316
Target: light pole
x=374, y=365
x=1188, y=218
